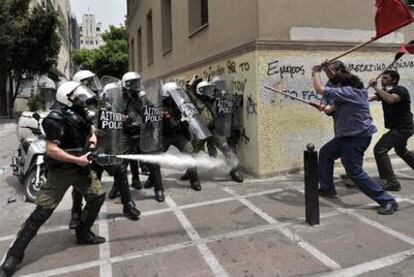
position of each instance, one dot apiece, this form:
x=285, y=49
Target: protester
x=353, y=130
x=398, y=120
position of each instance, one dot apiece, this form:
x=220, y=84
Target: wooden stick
x=388, y=67
x=352, y=49
x=316, y=105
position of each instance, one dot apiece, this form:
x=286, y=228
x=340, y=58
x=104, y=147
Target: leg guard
x=27, y=232
x=121, y=180
x=91, y=211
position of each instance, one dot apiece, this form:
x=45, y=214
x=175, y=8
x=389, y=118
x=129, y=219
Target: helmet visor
x=92, y=83
x=134, y=84
x=207, y=91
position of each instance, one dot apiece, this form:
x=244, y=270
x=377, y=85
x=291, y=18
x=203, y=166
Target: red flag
x=391, y=15
x=406, y=48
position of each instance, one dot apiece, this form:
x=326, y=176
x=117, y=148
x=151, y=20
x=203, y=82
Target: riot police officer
x=204, y=95
x=176, y=128
x=68, y=129
x=108, y=143
x=142, y=127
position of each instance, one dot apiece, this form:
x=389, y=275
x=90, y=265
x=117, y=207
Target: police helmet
x=72, y=93
x=168, y=87
x=206, y=89
x=131, y=81
x=89, y=79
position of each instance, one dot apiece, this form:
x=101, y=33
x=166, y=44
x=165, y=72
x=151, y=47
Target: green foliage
x=28, y=38
x=109, y=59
x=36, y=102
x=29, y=42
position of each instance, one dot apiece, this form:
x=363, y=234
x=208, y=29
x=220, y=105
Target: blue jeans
x=351, y=151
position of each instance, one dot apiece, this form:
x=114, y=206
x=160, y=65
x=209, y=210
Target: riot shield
x=224, y=106
x=110, y=124
x=151, y=128
x=195, y=121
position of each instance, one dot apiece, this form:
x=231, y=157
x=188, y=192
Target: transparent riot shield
x=151, y=128
x=110, y=125
x=224, y=106
x=195, y=121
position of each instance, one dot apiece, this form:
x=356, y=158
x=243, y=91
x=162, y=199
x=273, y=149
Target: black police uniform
x=176, y=132
x=69, y=131
x=133, y=109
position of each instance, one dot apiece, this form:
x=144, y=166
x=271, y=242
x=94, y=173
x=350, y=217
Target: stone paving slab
x=149, y=232
x=55, y=250
x=403, y=269
x=222, y=218
x=285, y=205
x=402, y=222
x=265, y=254
x=349, y=241
x=180, y=263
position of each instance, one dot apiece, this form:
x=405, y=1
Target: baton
x=315, y=105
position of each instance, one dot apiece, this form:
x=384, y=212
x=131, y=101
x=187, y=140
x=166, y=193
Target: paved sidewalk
x=252, y=229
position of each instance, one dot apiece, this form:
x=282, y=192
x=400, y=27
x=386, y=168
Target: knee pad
x=95, y=200
x=40, y=215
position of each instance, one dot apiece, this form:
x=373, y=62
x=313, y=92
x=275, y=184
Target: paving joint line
x=208, y=256
x=319, y=255
x=173, y=247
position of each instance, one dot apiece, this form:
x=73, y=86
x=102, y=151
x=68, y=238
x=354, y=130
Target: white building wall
x=90, y=32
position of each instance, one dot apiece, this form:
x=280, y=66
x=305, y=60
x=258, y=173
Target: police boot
x=113, y=193
x=186, y=176
x=84, y=235
x=194, y=180
x=76, y=209
x=130, y=211
x=235, y=176
x=27, y=232
x=136, y=184
x=159, y=196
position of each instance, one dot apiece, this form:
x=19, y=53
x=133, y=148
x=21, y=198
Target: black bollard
x=310, y=157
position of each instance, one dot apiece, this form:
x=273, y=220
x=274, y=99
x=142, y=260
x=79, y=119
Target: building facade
x=90, y=32
x=253, y=43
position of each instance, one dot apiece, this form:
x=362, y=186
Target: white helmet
x=205, y=88
x=131, y=81
x=168, y=87
x=70, y=92
x=219, y=83
x=89, y=79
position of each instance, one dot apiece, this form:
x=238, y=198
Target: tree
x=29, y=42
x=109, y=59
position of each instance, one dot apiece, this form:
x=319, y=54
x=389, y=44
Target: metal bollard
x=310, y=157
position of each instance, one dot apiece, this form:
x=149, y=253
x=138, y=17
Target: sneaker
x=392, y=186
x=327, y=193
x=388, y=208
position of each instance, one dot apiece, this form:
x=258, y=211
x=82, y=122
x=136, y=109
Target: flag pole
x=388, y=67
x=315, y=105
x=352, y=49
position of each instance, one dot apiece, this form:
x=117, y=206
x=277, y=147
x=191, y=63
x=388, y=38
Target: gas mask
x=84, y=103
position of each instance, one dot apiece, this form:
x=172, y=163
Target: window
x=132, y=62
x=198, y=15
x=139, y=49
x=166, y=19
x=150, y=45
x=98, y=29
